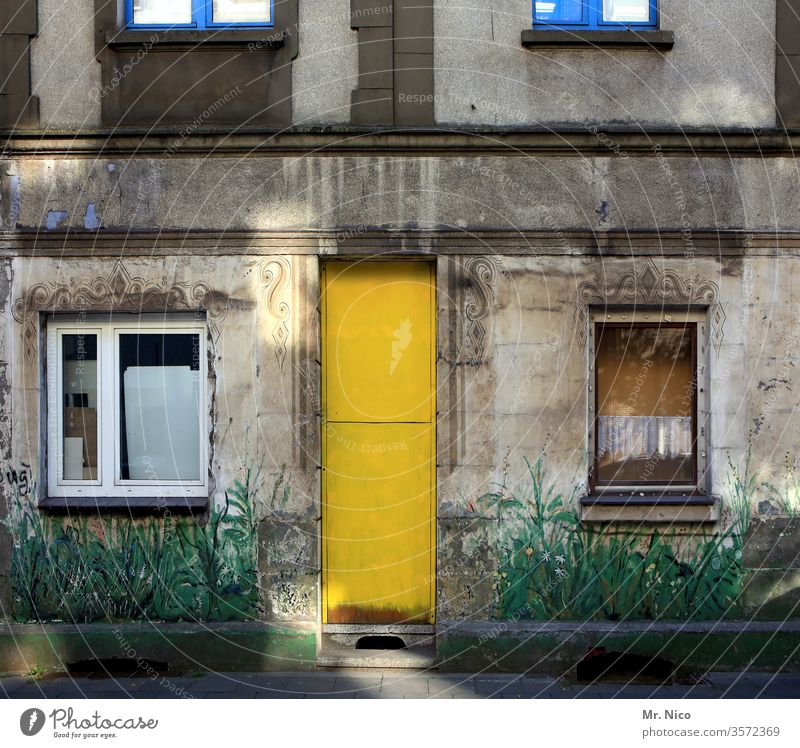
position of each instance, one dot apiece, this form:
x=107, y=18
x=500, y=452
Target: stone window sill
x=627, y=508
x=585, y=39
x=136, y=503
x=254, y=39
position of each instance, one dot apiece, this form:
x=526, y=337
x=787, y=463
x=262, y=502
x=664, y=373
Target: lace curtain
x=644, y=436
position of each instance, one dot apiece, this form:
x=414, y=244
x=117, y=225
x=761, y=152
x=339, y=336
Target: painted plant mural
x=117, y=569
x=552, y=567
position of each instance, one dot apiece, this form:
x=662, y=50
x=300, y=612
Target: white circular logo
x=31, y=721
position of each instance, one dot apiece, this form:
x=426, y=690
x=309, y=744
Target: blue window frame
x=596, y=14
x=198, y=14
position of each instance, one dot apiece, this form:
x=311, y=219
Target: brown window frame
x=696, y=321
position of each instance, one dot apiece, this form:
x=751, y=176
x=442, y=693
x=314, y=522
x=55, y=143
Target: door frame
x=433, y=266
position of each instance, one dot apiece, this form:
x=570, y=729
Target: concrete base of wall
x=557, y=648
x=521, y=647
x=183, y=647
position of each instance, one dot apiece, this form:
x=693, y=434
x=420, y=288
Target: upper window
x=596, y=14
x=126, y=411
x=198, y=14
x=649, y=402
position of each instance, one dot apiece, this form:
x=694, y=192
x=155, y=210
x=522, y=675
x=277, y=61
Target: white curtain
x=644, y=436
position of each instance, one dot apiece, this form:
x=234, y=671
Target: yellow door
x=378, y=442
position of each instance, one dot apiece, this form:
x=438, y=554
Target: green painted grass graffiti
x=155, y=568
x=786, y=497
x=552, y=567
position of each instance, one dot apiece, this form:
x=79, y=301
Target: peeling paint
x=90, y=219
x=55, y=218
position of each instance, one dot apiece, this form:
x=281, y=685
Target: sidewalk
x=389, y=684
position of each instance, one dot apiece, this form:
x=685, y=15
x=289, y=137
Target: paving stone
x=733, y=692
x=9, y=685
x=724, y=679
x=332, y=695
x=312, y=684
x=451, y=689
x=488, y=685
x=391, y=692
x=669, y=692
x=394, y=686
x=632, y=691
x=356, y=681
x=780, y=690
x=561, y=692
x=278, y=695
x=215, y=684
x=539, y=687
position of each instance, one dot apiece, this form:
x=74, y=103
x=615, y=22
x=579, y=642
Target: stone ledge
x=557, y=647
x=124, y=503
x=590, y=38
x=158, y=39
x=223, y=647
x=672, y=509
x=521, y=142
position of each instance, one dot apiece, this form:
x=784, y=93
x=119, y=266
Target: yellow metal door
x=378, y=442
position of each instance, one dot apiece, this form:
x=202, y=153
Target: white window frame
x=666, y=315
x=108, y=328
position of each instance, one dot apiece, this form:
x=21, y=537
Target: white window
x=127, y=409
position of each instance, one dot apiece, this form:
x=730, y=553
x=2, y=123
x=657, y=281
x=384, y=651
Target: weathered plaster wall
x=5, y=431
x=512, y=365
x=524, y=397
x=263, y=337
x=64, y=72
x=511, y=386
x=558, y=193
x=720, y=73
x=326, y=68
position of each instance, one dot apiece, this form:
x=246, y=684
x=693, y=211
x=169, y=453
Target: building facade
x=474, y=327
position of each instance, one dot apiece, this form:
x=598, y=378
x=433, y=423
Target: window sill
x=138, y=503
x=627, y=508
x=252, y=38
x=587, y=38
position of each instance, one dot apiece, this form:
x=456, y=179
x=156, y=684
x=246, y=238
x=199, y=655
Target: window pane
x=162, y=12
x=645, y=404
x=626, y=11
x=79, y=377
x=160, y=406
x=241, y=11
x=559, y=11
